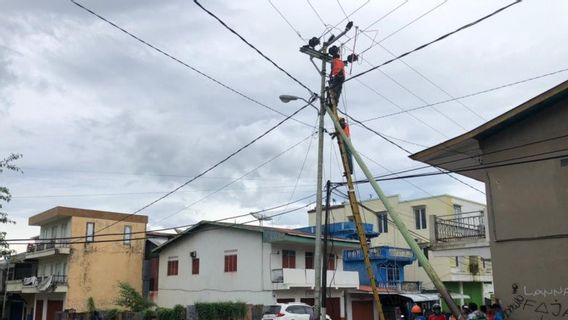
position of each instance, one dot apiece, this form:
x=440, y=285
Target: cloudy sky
x=105, y=122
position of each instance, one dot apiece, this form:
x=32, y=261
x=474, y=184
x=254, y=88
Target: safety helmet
x=333, y=50
x=341, y=119
x=436, y=306
x=416, y=309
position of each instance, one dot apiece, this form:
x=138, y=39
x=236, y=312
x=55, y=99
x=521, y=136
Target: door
x=53, y=306
x=39, y=310
x=362, y=310
x=333, y=308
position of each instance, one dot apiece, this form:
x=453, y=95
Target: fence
x=455, y=227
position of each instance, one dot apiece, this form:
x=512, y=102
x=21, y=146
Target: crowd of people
x=469, y=311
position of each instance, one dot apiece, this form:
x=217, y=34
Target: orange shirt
x=346, y=131
x=337, y=67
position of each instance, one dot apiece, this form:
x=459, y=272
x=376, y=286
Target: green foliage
x=221, y=311
x=131, y=299
x=91, y=305
x=149, y=314
x=5, y=197
x=177, y=313
x=112, y=314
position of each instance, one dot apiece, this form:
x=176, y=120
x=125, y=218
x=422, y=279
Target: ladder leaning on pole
x=356, y=213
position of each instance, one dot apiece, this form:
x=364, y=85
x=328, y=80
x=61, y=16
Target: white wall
x=212, y=284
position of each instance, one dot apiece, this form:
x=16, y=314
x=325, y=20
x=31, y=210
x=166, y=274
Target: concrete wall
x=212, y=284
x=528, y=222
x=437, y=205
x=94, y=269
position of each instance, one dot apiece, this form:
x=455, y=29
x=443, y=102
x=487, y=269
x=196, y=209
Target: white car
x=289, y=311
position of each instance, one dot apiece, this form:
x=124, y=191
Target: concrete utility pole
x=399, y=223
x=319, y=310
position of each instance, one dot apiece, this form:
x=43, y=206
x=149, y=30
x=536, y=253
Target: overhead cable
x=253, y=47
x=471, y=24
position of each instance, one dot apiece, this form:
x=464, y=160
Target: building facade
x=454, y=271
x=213, y=262
x=521, y=157
x=74, y=260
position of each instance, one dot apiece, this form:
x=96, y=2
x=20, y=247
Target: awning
x=421, y=297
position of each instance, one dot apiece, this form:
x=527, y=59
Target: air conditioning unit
x=193, y=254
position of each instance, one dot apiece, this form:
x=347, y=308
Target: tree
x=5, y=197
x=130, y=299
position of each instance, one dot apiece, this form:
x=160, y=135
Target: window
x=173, y=266
x=457, y=209
x=231, y=263
x=127, y=234
x=383, y=222
x=195, y=266
x=420, y=217
x=289, y=259
x=456, y=261
x=392, y=273
x=309, y=260
x=331, y=262
x=90, y=232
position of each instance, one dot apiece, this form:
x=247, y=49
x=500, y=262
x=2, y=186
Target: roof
x=468, y=143
x=59, y=212
x=270, y=234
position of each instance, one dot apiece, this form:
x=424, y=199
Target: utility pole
x=325, y=253
x=398, y=222
x=319, y=310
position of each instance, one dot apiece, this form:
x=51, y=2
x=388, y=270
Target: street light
x=319, y=186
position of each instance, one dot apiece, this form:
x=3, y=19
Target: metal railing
x=401, y=286
x=56, y=279
x=459, y=227
x=381, y=252
x=45, y=245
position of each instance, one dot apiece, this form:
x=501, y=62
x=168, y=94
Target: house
x=466, y=284
x=150, y=269
x=522, y=158
x=72, y=260
x=214, y=261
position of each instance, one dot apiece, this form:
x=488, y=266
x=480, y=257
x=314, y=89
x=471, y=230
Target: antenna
x=260, y=217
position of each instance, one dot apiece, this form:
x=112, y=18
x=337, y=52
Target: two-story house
x=213, y=261
x=80, y=254
x=454, y=271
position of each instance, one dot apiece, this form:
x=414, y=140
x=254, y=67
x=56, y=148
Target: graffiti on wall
x=539, y=304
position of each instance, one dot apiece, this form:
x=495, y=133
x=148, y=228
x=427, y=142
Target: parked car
x=289, y=311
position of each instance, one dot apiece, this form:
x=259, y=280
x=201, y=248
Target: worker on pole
x=347, y=132
x=337, y=75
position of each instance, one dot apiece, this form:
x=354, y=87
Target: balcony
x=459, y=235
x=459, y=228
x=47, y=249
x=380, y=253
x=53, y=283
x=283, y=279
x=400, y=286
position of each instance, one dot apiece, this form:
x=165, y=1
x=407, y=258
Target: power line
x=237, y=179
x=530, y=143
x=435, y=40
x=469, y=95
x=41, y=241
x=213, y=166
x=287, y=22
x=185, y=64
x=489, y=165
x=406, y=25
x=253, y=47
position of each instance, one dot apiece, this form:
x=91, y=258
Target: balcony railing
x=455, y=227
x=382, y=252
x=56, y=279
x=286, y=278
x=45, y=245
x=400, y=286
